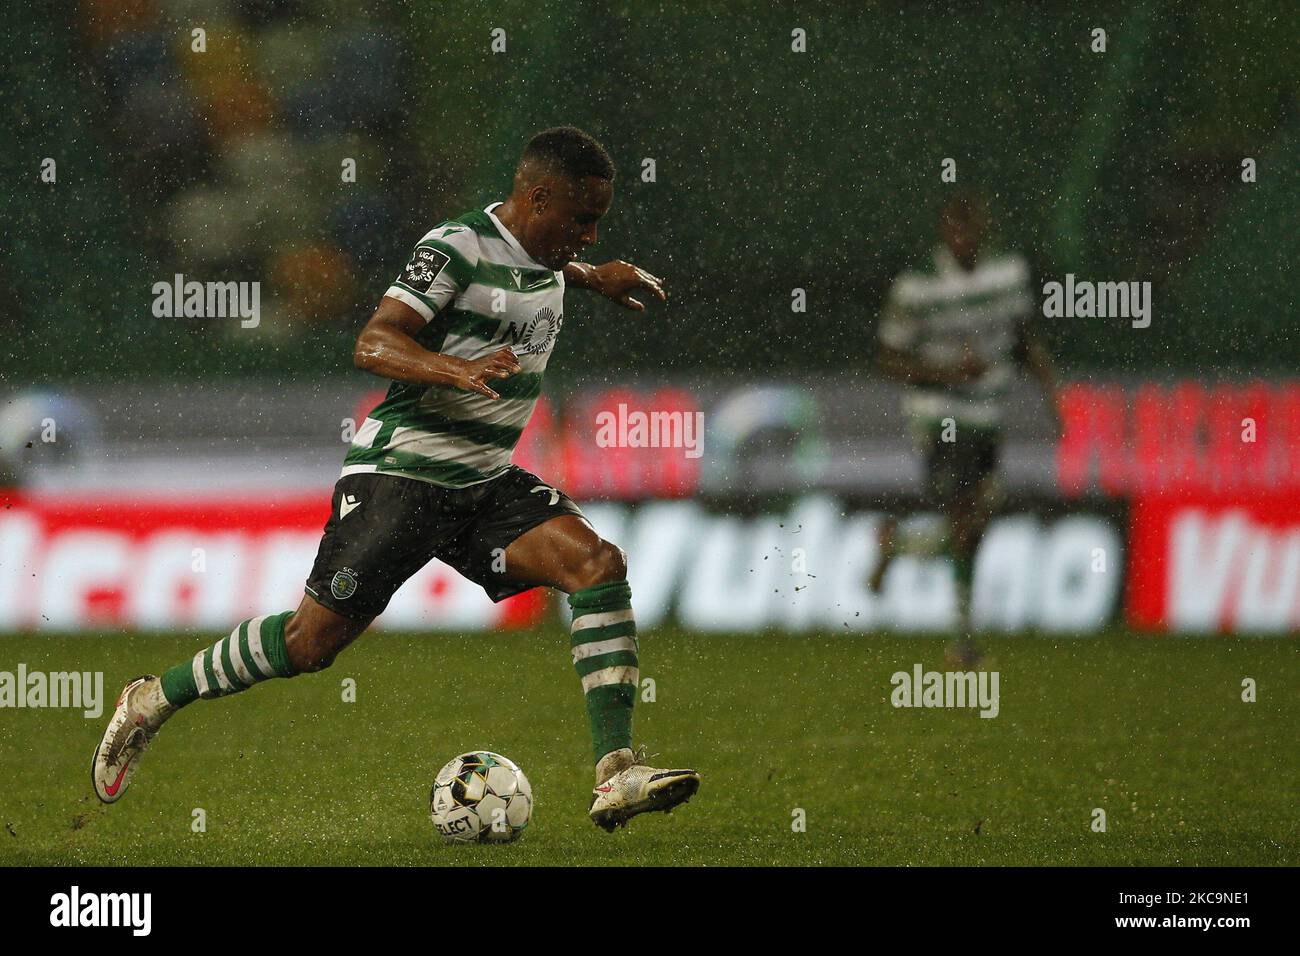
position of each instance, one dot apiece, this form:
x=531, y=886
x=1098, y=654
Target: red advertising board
x=1201, y=563
x=1231, y=437
x=73, y=563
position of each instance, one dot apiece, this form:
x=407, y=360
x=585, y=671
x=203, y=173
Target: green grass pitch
x=1152, y=730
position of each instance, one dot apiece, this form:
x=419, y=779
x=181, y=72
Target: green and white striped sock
x=604, y=654
x=252, y=653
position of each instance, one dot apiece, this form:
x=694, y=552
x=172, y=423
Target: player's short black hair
x=570, y=152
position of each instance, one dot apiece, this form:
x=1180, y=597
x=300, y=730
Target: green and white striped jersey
x=939, y=313
x=479, y=291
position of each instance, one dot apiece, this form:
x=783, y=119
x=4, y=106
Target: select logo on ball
x=481, y=797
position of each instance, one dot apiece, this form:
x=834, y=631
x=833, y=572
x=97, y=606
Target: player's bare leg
x=566, y=553
x=314, y=635
x=886, y=551
x=968, y=514
x=279, y=645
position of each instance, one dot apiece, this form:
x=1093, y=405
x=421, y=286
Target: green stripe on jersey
x=515, y=279
x=481, y=433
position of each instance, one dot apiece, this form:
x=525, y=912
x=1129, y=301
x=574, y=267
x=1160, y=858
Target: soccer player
x=954, y=333
x=464, y=333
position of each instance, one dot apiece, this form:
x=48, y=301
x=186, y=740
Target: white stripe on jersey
x=365, y=435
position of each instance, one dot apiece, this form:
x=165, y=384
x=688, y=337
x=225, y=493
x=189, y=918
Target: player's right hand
x=478, y=372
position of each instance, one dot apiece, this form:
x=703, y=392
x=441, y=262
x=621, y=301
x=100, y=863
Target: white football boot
x=128, y=734
x=640, y=789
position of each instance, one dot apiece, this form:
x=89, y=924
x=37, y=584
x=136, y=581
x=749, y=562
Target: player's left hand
x=618, y=280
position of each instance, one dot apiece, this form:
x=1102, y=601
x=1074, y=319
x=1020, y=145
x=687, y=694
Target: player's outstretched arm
x=616, y=280
x=387, y=347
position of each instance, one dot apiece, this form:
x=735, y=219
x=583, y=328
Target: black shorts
x=960, y=467
x=384, y=528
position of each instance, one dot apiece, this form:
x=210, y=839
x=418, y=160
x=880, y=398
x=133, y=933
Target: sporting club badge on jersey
x=344, y=584
x=425, y=266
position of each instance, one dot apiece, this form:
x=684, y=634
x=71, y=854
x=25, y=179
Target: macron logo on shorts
x=347, y=505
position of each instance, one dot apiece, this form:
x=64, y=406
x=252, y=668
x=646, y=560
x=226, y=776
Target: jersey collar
x=510, y=240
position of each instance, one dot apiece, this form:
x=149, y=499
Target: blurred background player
x=955, y=330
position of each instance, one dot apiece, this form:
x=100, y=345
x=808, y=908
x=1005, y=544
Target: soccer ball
x=480, y=797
